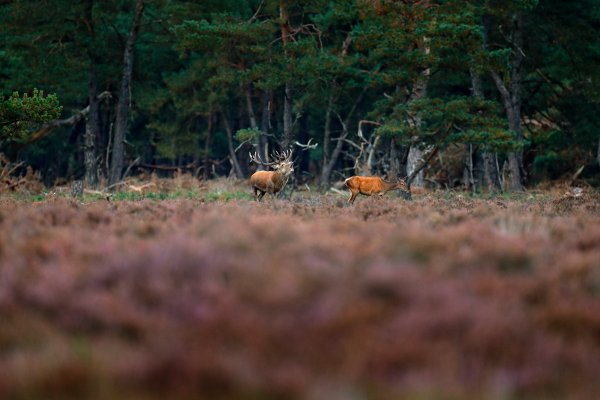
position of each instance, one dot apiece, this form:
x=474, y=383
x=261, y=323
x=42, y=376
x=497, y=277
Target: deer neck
x=387, y=186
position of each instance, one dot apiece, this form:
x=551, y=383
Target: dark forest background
x=492, y=95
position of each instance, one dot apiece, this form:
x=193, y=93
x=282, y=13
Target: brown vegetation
x=434, y=298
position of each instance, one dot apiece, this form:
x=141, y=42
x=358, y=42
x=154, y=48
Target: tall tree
x=124, y=105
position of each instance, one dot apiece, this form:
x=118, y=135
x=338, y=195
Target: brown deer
x=272, y=181
x=370, y=185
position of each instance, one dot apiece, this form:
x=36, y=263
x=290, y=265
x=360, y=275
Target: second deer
x=370, y=185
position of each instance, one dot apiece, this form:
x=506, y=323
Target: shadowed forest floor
x=443, y=297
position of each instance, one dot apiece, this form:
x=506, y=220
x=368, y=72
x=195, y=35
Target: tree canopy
x=511, y=87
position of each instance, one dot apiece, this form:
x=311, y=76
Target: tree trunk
x=235, y=165
x=265, y=123
x=92, y=127
x=511, y=99
x=415, y=153
x=598, y=153
x=261, y=140
x=325, y=167
x=92, y=123
x=485, y=169
x=206, y=163
x=123, y=106
x=420, y=166
x=287, y=139
x=337, y=150
x=394, y=170
x=328, y=167
x=415, y=156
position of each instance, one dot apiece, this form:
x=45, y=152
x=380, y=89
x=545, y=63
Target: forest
x=505, y=93
x=136, y=262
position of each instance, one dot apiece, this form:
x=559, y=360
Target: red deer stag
x=272, y=181
x=370, y=185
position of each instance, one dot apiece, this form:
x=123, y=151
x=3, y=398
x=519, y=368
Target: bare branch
x=306, y=146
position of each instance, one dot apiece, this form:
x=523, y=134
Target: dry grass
x=444, y=297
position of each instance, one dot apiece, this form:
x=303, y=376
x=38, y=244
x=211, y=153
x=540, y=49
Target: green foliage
x=447, y=121
x=344, y=62
x=249, y=134
x=20, y=113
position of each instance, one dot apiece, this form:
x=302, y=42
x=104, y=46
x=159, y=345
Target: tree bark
x=394, y=170
x=235, y=165
x=206, y=171
x=92, y=127
x=419, y=167
x=415, y=156
x=265, y=123
x=598, y=153
x=486, y=174
x=415, y=153
x=92, y=123
x=261, y=140
x=287, y=138
x=337, y=150
x=325, y=167
x=511, y=100
x=124, y=104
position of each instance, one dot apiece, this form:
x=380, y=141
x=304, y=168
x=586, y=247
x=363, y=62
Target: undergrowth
x=205, y=293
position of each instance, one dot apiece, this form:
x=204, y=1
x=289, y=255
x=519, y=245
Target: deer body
x=271, y=182
x=370, y=185
x=267, y=182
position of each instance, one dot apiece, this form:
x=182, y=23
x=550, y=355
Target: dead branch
x=306, y=146
x=191, y=165
x=58, y=123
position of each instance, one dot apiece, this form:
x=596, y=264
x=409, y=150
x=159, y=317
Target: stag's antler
x=285, y=156
x=256, y=158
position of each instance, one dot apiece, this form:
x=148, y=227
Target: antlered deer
x=370, y=185
x=272, y=181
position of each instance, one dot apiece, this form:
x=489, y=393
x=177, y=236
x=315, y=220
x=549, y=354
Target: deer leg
x=352, y=197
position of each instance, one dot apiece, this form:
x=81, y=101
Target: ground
x=201, y=292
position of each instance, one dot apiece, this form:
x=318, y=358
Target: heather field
x=206, y=294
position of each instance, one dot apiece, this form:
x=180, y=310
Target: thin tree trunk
x=325, y=174
x=420, y=166
x=328, y=167
x=287, y=138
x=415, y=153
x=394, y=170
x=206, y=170
x=123, y=106
x=486, y=172
x=265, y=123
x=415, y=156
x=337, y=150
x=511, y=99
x=232, y=156
x=92, y=127
x=598, y=153
x=92, y=123
x=250, y=108
x=261, y=140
